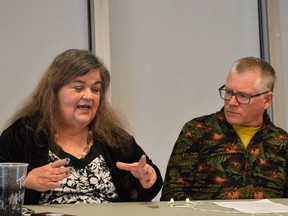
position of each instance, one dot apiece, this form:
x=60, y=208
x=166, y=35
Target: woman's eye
x=96, y=90
x=78, y=88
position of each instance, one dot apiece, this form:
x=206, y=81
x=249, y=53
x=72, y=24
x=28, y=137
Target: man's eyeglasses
x=240, y=97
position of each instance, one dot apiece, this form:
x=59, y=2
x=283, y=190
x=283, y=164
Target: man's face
x=249, y=115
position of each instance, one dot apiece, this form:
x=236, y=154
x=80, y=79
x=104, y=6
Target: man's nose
x=233, y=100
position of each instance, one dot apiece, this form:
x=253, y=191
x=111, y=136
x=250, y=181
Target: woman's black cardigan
x=17, y=144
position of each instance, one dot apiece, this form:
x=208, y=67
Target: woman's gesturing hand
x=141, y=170
x=49, y=176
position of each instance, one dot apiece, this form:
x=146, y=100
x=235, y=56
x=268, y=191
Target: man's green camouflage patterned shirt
x=209, y=161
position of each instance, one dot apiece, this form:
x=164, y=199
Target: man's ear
x=268, y=99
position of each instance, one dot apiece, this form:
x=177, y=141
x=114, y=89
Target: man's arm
x=182, y=166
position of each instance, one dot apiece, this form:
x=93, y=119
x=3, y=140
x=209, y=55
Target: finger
x=146, y=170
x=123, y=166
x=59, y=177
x=147, y=173
x=63, y=170
x=147, y=180
x=60, y=163
x=54, y=185
x=142, y=161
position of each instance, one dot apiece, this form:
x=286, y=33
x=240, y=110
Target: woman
x=75, y=145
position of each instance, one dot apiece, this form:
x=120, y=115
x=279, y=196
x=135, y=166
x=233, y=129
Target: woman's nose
x=87, y=95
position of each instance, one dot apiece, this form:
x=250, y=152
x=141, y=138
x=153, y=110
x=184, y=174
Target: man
x=236, y=153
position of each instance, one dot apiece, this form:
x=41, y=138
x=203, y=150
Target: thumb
x=142, y=161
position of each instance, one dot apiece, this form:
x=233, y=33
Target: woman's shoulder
x=22, y=124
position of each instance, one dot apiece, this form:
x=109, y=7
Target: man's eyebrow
x=239, y=92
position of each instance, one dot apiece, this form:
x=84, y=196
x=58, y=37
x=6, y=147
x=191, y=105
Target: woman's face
x=79, y=100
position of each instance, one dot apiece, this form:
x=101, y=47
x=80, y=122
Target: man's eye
x=229, y=92
x=243, y=96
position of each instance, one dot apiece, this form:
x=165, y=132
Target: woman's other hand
x=49, y=176
x=141, y=170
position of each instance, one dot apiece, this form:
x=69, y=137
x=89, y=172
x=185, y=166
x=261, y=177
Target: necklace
x=88, y=146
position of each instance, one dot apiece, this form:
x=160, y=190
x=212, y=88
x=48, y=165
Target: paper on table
x=260, y=206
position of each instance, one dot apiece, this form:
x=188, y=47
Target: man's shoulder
x=277, y=131
x=204, y=119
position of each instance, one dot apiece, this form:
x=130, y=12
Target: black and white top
x=88, y=182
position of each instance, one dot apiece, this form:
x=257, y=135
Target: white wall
x=32, y=33
x=278, y=34
x=284, y=55
x=168, y=58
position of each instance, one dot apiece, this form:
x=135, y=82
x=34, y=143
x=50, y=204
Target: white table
x=204, y=208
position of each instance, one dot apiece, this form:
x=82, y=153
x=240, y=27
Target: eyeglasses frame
x=234, y=94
